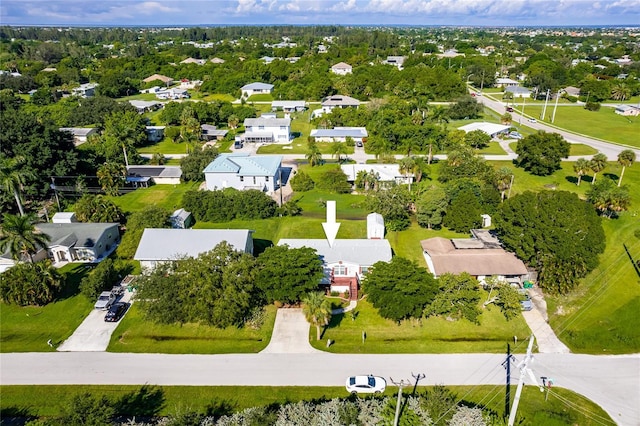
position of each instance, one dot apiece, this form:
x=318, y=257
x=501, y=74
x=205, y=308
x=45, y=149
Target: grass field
x=135, y=334
x=298, y=146
x=434, y=335
x=27, y=329
x=166, y=400
x=494, y=148
x=165, y=146
x=167, y=196
x=603, y=124
x=260, y=97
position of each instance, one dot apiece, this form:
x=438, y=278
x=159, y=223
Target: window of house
x=340, y=270
x=283, y=127
x=260, y=127
x=364, y=270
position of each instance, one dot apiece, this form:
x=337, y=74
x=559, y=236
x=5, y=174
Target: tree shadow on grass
x=16, y=415
x=220, y=408
x=260, y=245
x=145, y=402
x=72, y=280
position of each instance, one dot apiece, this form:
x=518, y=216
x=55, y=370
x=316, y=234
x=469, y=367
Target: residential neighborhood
x=404, y=207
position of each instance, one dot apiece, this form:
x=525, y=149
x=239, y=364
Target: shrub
x=592, y=106
x=302, y=182
x=334, y=180
x=229, y=204
x=102, y=278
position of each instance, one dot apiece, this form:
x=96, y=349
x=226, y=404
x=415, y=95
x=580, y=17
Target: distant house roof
x=572, y=91
x=79, y=131
x=245, y=164
x=340, y=100
x=517, y=89
x=140, y=105
x=338, y=132
x=506, y=81
x=359, y=251
x=342, y=66
x=257, y=86
x=288, y=104
x=387, y=172
x=75, y=234
x=162, y=78
x=208, y=129
x=172, y=244
x=267, y=122
x=447, y=258
x=193, y=61
x=155, y=171
x=217, y=61
x=491, y=129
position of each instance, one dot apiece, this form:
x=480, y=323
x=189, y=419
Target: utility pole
x=507, y=365
x=522, y=112
x=544, y=110
x=553, y=116
x=523, y=369
x=400, y=385
x=510, y=185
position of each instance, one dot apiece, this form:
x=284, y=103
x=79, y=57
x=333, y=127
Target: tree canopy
x=555, y=232
x=399, y=289
x=540, y=153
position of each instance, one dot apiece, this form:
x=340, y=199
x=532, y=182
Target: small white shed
x=64, y=217
x=375, y=226
x=486, y=221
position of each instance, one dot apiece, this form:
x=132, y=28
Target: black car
x=116, y=311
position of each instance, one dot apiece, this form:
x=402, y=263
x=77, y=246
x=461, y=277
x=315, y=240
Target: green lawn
x=299, y=146
x=167, y=196
x=494, y=148
x=166, y=146
x=433, y=335
x=533, y=409
x=135, y=334
x=27, y=329
x=260, y=97
x=140, y=97
x=209, y=97
x=575, y=149
x=603, y=124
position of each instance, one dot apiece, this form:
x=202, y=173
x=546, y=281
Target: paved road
x=610, y=381
x=609, y=149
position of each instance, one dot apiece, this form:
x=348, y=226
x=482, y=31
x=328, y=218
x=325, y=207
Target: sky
x=315, y=12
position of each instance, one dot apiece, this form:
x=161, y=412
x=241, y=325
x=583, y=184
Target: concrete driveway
x=94, y=334
x=290, y=334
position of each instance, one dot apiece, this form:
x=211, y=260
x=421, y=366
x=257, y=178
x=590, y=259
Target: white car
x=533, y=120
x=366, y=384
x=105, y=300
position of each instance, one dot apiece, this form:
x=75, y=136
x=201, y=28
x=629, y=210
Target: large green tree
x=193, y=165
x=555, y=232
x=458, y=297
x=540, y=153
x=464, y=212
x=149, y=217
x=286, y=274
x=13, y=177
x=608, y=198
x=399, y=289
x=103, y=277
x=97, y=208
x=597, y=164
x=393, y=204
x=111, y=177
x=431, y=207
x=20, y=238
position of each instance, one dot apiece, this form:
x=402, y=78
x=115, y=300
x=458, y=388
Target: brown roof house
x=482, y=256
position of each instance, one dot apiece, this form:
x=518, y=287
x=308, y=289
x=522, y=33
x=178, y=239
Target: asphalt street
x=613, y=382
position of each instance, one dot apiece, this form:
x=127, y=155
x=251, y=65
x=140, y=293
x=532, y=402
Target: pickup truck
x=105, y=300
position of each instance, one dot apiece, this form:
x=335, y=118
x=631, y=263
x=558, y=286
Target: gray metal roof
x=78, y=234
x=338, y=132
x=360, y=251
x=267, y=122
x=172, y=244
x=257, y=86
x=155, y=171
x=340, y=100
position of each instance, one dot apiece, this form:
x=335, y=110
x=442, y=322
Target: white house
x=347, y=261
x=492, y=129
x=396, y=61
x=172, y=93
x=64, y=217
x=627, y=110
x=80, y=242
x=158, y=246
x=340, y=134
x=80, y=134
x=256, y=88
x=387, y=173
x=518, y=91
x=85, y=90
x=506, y=82
x=146, y=106
x=336, y=101
x=267, y=130
x=185, y=83
x=244, y=171
x=342, y=68
x=288, y=106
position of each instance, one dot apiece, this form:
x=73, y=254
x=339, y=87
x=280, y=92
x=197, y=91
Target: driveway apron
x=290, y=333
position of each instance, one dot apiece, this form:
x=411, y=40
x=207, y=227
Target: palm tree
x=314, y=157
x=13, y=177
x=233, y=121
x=581, y=167
x=502, y=180
x=317, y=310
x=111, y=176
x=20, y=237
x=407, y=164
x=626, y=159
x=620, y=92
x=597, y=164
x=339, y=148
x=439, y=114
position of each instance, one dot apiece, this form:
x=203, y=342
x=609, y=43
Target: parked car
x=359, y=144
x=366, y=384
x=116, y=311
x=525, y=300
x=117, y=290
x=105, y=300
x=237, y=145
x=509, y=109
x=515, y=135
x=533, y=120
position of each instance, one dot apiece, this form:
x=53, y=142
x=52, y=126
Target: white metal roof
x=172, y=244
x=359, y=251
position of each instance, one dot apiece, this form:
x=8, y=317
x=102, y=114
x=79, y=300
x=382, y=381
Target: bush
x=30, y=284
x=334, y=180
x=302, y=182
x=592, y=106
x=229, y=204
x=102, y=278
